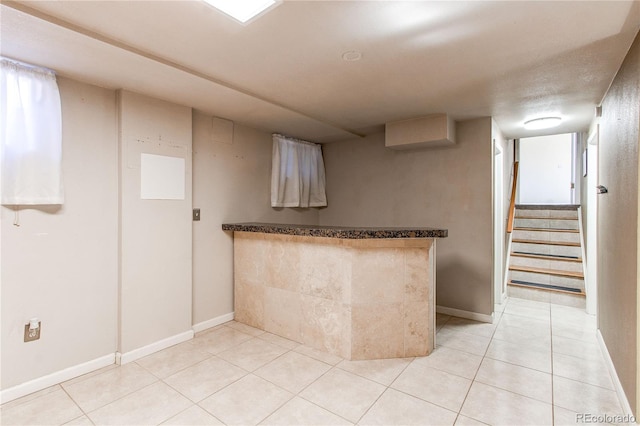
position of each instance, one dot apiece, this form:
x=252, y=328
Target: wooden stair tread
x=547, y=257
x=555, y=272
x=553, y=290
x=546, y=218
x=551, y=243
x=572, y=231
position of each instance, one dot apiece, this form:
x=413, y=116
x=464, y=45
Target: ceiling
x=284, y=72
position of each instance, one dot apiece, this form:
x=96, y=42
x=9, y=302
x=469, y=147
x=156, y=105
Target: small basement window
x=30, y=135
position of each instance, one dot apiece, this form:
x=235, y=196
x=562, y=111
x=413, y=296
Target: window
x=297, y=174
x=30, y=135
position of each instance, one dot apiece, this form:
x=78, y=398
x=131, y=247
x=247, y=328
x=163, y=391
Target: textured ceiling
x=284, y=72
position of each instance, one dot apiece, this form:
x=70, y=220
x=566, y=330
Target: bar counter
x=356, y=292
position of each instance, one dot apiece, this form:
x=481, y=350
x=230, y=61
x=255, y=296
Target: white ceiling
x=284, y=72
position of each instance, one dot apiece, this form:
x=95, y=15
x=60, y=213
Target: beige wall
x=231, y=183
x=618, y=221
x=369, y=185
x=61, y=263
x=81, y=257
x=155, y=235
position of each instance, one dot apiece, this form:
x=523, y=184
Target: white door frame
x=591, y=283
x=498, y=225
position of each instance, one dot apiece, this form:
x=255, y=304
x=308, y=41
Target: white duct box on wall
x=425, y=132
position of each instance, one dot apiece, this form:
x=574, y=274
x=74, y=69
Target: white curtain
x=30, y=135
x=297, y=174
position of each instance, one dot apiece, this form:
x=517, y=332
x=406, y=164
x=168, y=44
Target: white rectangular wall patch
x=161, y=177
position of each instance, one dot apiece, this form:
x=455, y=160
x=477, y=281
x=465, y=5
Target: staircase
x=545, y=261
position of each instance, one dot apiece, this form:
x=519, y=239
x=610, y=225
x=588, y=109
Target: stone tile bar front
x=359, y=293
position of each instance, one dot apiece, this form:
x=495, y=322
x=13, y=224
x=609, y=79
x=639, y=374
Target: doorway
x=546, y=170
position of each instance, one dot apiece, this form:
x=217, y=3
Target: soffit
x=284, y=72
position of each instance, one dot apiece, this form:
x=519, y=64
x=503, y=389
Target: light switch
x=196, y=214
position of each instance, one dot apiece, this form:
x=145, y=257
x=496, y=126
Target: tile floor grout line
x=516, y=365
x=387, y=387
x=554, y=375
x=371, y=406
x=84, y=413
x=210, y=413
x=584, y=383
x=375, y=381
x=177, y=371
x=479, y=367
x=275, y=384
x=288, y=351
x=90, y=375
x=325, y=373
x=595, y=343
x=514, y=392
x=523, y=316
x=29, y=397
x=276, y=409
x=440, y=369
x=525, y=345
x=336, y=366
x=229, y=384
x=207, y=396
x=325, y=409
x=120, y=397
x=506, y=362
x=277, y=344
x=178, y=413
x=424, y=400
x=468, y=333
x=236, y=381
x=318, y=378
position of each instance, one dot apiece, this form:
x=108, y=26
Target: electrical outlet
x=32, y=334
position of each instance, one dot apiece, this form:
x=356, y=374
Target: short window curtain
x=297, y=174
x=30, y=135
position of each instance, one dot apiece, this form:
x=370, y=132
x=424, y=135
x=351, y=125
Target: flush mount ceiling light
x=542, y=123
x=242, y=10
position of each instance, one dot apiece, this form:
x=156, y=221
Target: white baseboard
x=622, y=396
x=464, y=314
x=124, y=358
x=201, y=326
x=44, y=382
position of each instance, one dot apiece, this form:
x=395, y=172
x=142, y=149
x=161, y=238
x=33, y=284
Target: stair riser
x=546, y=223
x=572, y=214
x=547, y=279
x=565, y=299
x=561, y=265
x=567, y=237
x=546, y=249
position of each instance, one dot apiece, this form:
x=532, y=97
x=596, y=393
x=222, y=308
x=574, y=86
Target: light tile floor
x=537, y=364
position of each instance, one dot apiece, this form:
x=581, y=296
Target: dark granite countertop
x=344, y=232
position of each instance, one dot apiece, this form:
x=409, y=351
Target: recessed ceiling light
x=542, y=123
x=242, y=10
x=352, y=55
